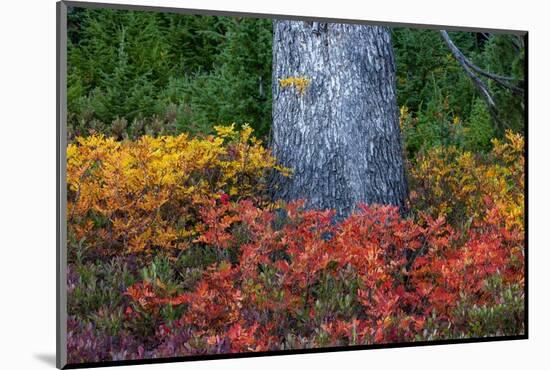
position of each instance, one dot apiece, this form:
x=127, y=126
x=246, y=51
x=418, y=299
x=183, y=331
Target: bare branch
x=517, y=41
x=480, y=85
x=503, y=81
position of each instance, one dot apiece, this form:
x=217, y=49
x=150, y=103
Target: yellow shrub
x=463, y=187
x=141, y=194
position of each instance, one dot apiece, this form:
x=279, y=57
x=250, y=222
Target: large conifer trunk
x=341, y=137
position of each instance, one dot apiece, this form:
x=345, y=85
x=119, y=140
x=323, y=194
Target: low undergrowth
x=176, y=250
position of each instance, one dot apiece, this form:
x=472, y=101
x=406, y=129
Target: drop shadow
x=47, y=358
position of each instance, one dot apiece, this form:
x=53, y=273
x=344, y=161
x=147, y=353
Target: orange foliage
x=136, y=195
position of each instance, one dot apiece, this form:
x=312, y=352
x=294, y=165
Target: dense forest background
x=174, y=73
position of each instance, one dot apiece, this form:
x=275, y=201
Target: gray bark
x=341, y=137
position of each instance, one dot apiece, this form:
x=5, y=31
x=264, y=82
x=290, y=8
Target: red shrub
x=301, y=279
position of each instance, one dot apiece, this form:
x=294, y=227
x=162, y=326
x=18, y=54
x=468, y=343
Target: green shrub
x=479, y=129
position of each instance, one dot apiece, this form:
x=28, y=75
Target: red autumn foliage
x=302, y=279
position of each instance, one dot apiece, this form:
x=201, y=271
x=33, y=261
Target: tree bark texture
x=340, y=135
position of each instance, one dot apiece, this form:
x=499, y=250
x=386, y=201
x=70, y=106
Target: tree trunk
x=339, y=134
